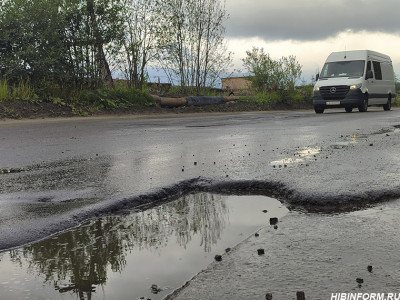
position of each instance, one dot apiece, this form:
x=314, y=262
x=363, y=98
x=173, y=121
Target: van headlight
x=355, y=86
x=316, y=89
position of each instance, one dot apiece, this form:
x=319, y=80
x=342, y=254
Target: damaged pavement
x=337, y=173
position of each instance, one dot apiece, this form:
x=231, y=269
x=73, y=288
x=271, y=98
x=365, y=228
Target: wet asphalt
x=57, y=173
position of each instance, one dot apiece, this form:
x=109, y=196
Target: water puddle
x=141, y=255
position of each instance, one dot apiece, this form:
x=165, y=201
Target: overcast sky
x=312, y=29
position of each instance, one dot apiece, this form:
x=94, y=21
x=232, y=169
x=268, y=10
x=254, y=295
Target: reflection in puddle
x=142, y=254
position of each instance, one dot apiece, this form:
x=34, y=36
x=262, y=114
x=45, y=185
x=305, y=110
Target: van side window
x=377, y=69
x=369, y=68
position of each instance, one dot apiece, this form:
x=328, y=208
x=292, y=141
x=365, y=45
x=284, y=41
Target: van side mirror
x=370, y=74
x=316, y=77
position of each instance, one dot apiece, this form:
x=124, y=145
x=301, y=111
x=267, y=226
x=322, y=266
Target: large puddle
x=141, y=255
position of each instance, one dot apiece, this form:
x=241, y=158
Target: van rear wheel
x=388, y=105
x=364, y=105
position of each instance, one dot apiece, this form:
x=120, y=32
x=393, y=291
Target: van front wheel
x=388, y=105
x=319, y=110
x=364, y=105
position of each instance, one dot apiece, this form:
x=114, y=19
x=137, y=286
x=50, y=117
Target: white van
x=355, y=79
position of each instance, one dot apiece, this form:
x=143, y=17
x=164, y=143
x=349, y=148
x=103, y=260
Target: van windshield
x=354, y=68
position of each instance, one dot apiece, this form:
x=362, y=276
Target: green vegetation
x=274, y=81
x=92, y=100
x=299, y=97
x=62, y=49
x=63, y=53
x=271, y=75
x=22, y=91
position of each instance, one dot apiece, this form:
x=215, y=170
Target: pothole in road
x=145, y=254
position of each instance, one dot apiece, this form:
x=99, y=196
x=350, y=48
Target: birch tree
x=139, y=44
x=194, y=50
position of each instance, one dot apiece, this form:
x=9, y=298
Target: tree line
x=77, y=44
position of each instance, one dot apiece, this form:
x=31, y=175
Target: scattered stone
x=228, y=250
x=256, y=234
x=268, y=296
x=360, y=280
x=260, y=251
x=273, y=221
x=155, y=289
x=369, y=268
x=227, y=176
x=265, y=211
x=218, y=257
x=371, y=145
x=183, y=170
x=300, y=296
x=275, y=227
x=195, y=163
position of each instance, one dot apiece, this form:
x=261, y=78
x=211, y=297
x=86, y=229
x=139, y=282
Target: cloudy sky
x=312, y=29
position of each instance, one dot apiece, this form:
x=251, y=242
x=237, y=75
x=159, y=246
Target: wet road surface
x=57, y=174
x=318, y=254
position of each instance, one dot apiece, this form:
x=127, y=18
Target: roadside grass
x=24, y=91
x=397, y=99
x=301, y=96
x=80, y=101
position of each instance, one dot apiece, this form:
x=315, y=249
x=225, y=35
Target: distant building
x=237, y=85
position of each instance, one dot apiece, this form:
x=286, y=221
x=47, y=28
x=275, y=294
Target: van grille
x=334, y=92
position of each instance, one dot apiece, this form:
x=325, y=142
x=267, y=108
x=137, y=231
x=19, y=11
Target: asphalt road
x=58, y=173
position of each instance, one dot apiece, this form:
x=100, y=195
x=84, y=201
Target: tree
x=193, y=45
x=139, y=43
x=30, y=42
x=106, y=26
x=59, y=41
x=270, y=74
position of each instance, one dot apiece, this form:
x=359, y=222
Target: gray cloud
x=308, y=20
